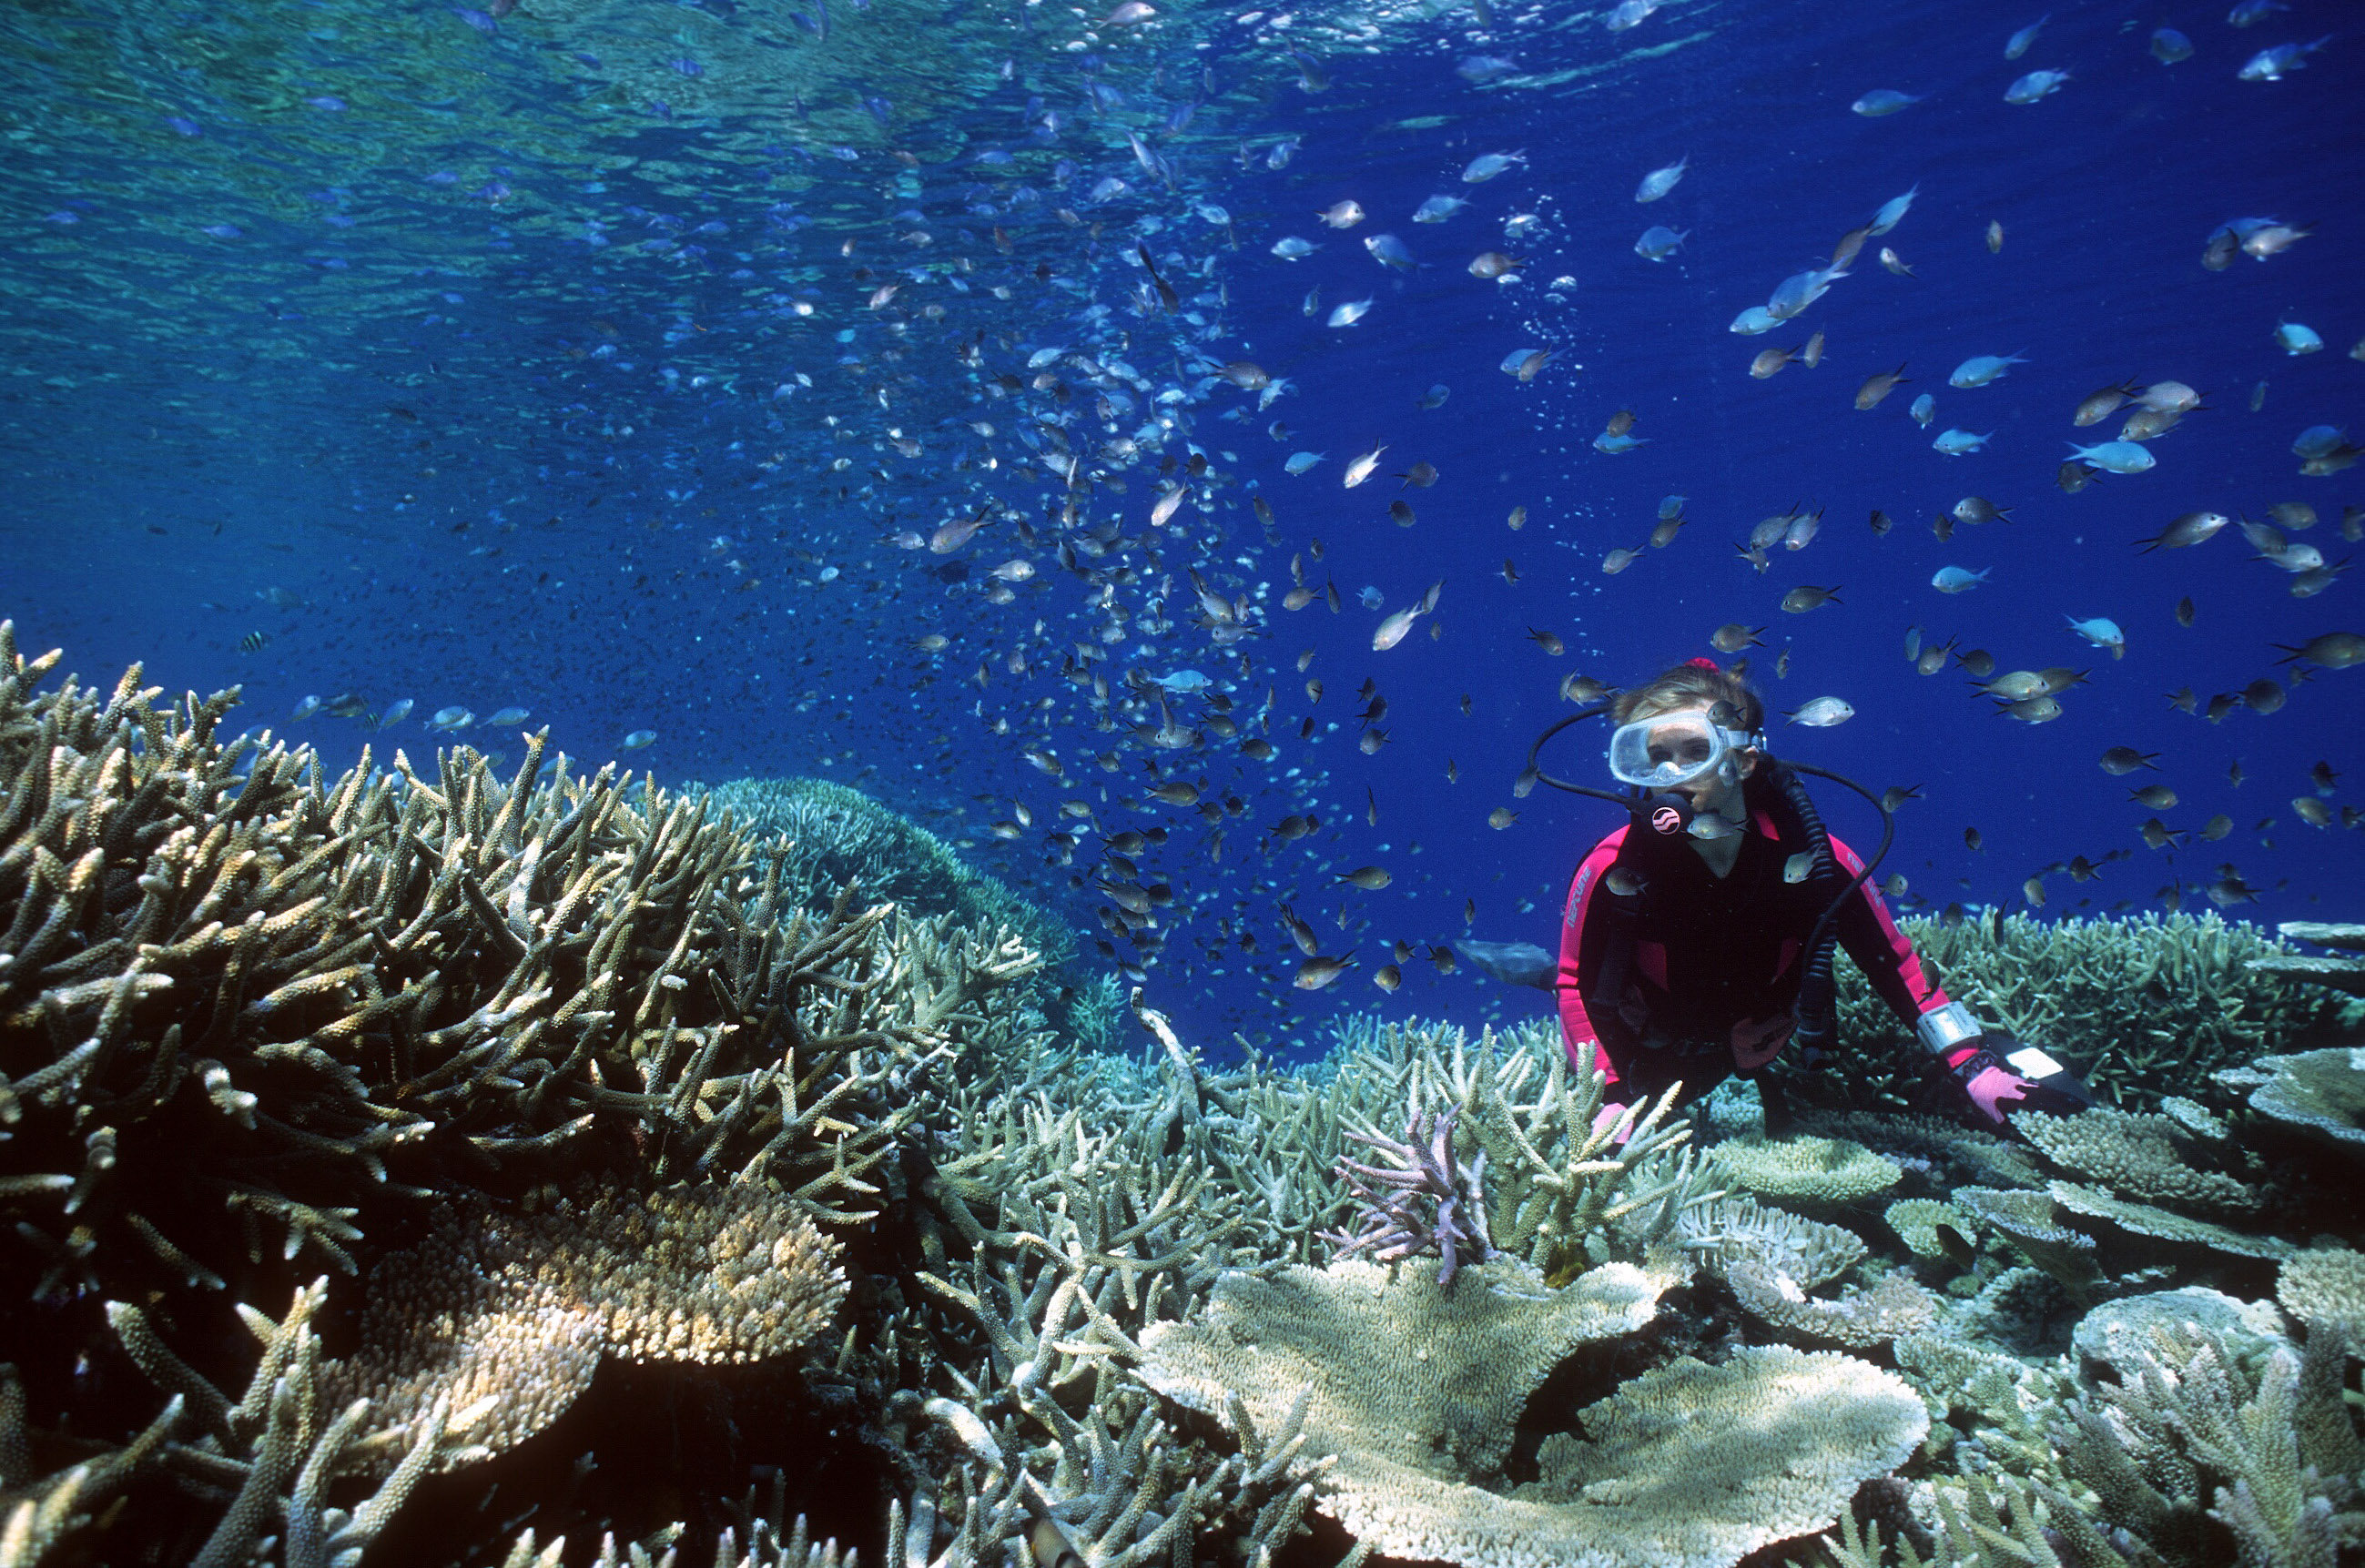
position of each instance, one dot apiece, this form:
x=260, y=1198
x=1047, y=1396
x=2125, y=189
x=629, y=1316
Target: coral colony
x=429, y=1166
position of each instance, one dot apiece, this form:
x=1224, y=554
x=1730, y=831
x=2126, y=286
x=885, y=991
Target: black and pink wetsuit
x=1693, y=976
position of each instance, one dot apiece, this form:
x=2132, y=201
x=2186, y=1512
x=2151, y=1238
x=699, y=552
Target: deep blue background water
x=489, y=384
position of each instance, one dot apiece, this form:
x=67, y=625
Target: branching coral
x=2143, y=1006
x=544, y=1073
x=1562, y=1179
x=250, y=1017
x=823, y=837
x=2275, y=1454
x=1422, y=1201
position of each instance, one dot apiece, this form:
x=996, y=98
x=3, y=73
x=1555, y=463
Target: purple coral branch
x=1426, y=1202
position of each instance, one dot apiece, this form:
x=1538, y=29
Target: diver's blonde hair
x=1688, y=684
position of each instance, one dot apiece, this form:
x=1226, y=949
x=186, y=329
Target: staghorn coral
x=269, y=1458
x=1423, y=1200
x=1986, y=1409
x=1564, y=1193
x=2143, y=1006
x=253, y=1018
x=341, y=993
x=2274, y=1455
x=1822, y=1171
x=677, y=1009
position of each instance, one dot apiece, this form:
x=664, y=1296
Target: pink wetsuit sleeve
x=1880, y=949
x=1581, y=936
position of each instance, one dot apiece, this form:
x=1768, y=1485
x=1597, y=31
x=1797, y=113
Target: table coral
x=1820, y=1171
x=2322, y=1093
x=1419, y=1391
x=503, y=1317
x=2145, y=1158
x=2325, y=1285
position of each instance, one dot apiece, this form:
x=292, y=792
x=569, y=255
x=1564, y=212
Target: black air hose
x=1816, y=1014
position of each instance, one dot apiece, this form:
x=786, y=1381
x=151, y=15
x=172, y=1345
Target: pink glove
x=1607, y=1117
x=1755, y=1044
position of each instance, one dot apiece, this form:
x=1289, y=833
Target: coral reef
x=2341, y=974
x=824, y=836
x=1419, y=1388
x=2143, y=1007
x=2325, y=1285
x=430, y=1166
x=1423, y=1200
x=503, y=1319
x=1807, y=1168
x=254, y=1021
x=2321, y=1092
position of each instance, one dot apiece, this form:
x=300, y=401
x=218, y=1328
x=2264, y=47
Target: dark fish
x=252, y=641
x=1513, y=963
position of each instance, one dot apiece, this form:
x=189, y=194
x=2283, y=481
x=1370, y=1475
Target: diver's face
x=1718, y=790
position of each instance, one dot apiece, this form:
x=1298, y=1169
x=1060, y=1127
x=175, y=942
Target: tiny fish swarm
x=750, y=1118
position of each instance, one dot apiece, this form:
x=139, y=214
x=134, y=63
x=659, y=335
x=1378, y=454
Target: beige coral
x=1916, y=1222
x=505, y=1317
x=1812, y=1169
x=2032, y=1223
x=2138, y=1157
x=2322, y=1092
x=1892, y=1306
x=2165, y=1225
x=1418, y=1390
x=2325, y=1285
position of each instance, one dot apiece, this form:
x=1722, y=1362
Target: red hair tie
x=1704, y=663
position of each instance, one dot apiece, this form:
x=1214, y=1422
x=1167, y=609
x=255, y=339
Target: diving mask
x=1669, y=749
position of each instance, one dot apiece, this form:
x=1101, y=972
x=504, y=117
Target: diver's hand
x=1982, y=1070
x=1755, y=1043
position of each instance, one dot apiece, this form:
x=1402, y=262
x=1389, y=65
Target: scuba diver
x=1697, y=940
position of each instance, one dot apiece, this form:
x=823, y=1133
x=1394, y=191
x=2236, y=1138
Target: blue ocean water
x=626, y=362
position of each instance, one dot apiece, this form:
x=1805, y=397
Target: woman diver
x=1697, y=940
